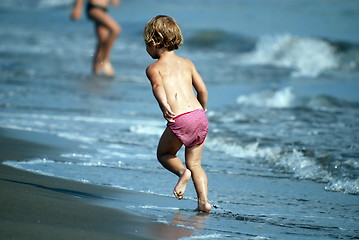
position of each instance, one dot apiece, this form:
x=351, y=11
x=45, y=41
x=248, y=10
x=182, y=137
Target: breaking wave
x=304, y=56
x=293, y=161
x=31, y=4
x=288, y=98
x=273, y=99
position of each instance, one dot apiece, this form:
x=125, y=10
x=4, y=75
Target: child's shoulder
x=154, y=65
x=152, y=68
x=186, y=61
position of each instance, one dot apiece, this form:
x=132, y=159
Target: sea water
x=282, y=152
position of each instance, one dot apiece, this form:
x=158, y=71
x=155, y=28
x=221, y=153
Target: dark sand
x=34, y=206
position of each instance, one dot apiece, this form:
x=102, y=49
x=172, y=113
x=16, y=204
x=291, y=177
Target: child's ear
x=152, y=43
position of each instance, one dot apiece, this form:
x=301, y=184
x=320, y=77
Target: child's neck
x=165, y=53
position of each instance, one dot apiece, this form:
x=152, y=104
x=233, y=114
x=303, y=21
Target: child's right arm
x=159, y=92
x=76, y=12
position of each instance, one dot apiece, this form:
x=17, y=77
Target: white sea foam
x=115, y=146
x=88, y=172
x=32, y=161
x=79, y=118
x=148, y=130
x=307, y=56
x=110, y=154
x=157, y=207
x=303, y=167
x=77, y=137
x=42, y=164
x=241, y=151
x=26, y=165
x=282, y=98
x=206, y=236
x=346, y=186
x=54, y=3
x=77, y=155
x=59, y=124
x=294, y=161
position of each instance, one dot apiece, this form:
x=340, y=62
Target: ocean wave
x=347, y=55
x=300, y=163
x=282, y=98
x=219, y=40
x=309, y=167
x=156, y=130
x=208, y=236
x=346, y=186
x=31, y=4
x=288, y=98
x=306, y=56
x=41, y=165
x=27, y=165
x=232, y=148
x=54, y=3
x=302, y=166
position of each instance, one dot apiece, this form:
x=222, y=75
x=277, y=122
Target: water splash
x=282, y=98
x=308, y=57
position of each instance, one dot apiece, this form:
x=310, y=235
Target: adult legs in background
x=107, y=30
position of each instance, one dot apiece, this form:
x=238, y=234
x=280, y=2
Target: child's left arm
x=200, y=87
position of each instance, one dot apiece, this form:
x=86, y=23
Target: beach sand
x=35, y=206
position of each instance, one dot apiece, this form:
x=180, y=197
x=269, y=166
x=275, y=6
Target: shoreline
x=35, y=206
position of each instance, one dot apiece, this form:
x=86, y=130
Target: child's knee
x=161, y=156
x=193, y=165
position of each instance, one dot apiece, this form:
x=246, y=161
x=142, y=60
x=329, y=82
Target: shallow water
x=282, y=152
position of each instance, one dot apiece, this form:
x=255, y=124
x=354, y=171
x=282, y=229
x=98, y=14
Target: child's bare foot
x=180, y=187
x=203, y=206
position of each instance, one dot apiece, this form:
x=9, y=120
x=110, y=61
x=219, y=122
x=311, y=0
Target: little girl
x=173, y=79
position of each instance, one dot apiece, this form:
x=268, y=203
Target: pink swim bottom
x=191, y=127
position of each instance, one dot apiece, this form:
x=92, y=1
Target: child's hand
x=167, y=113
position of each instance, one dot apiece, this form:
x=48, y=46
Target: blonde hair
x=164, y=32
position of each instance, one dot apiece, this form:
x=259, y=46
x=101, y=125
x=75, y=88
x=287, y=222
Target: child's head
x=163, y=32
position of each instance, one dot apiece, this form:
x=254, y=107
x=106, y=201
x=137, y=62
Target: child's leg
x=168, y=147
x=193, y=163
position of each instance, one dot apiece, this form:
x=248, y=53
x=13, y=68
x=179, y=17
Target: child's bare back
x=178, y=76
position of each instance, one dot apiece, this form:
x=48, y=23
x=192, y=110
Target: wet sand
x=34, y=206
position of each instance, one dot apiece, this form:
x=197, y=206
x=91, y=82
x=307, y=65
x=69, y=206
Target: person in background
x=106, y=28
